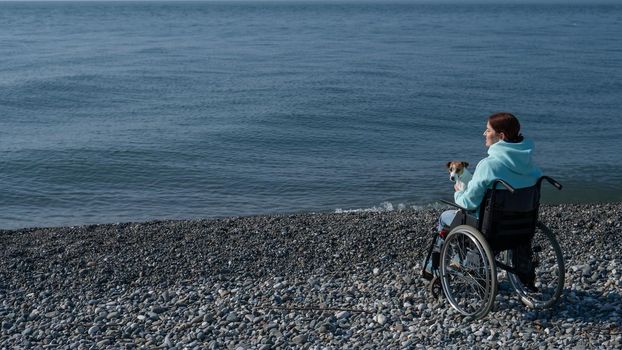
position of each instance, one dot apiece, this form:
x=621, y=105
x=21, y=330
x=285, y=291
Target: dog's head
x=456, y=169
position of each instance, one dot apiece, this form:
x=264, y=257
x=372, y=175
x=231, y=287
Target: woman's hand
x=457, y=187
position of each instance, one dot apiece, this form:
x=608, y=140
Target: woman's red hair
x=507, y=124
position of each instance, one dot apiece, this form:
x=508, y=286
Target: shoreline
x=383, y=207
x=304, y=280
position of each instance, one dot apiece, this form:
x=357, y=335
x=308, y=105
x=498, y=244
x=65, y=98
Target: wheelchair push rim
x=468, y=272
x=550, y=271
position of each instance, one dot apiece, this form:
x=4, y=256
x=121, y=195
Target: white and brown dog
x=459, y=174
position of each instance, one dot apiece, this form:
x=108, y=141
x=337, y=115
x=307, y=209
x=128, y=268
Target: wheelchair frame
x=468, y=254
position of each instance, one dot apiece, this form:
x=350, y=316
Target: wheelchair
x=507, y=236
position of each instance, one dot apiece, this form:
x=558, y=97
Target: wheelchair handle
x=505, y=184
x=551, y=181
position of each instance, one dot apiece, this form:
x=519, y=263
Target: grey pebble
x=93, y=330
x=343, y=315
x=381, y=319
x=232, y=317
x=238, y=283
x=300, y=339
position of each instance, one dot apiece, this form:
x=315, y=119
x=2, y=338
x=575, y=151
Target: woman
x=509, y=158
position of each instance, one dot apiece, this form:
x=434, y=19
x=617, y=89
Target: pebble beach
x=299, y=281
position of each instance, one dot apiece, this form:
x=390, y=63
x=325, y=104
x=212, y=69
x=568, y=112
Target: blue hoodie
x=511, y=162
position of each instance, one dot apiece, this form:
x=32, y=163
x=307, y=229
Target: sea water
x=131, y=111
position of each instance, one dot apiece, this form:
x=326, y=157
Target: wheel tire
x=550, y=271
x=468, y=272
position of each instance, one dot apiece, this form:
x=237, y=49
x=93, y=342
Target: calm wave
x=116, y=112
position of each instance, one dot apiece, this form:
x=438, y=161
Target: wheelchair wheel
x=468, y=272
x=549, y=268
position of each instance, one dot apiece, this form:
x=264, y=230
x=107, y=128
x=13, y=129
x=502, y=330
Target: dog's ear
x=466, y=164
x=448, y=164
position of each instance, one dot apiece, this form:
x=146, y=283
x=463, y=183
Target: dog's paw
x=461, y=186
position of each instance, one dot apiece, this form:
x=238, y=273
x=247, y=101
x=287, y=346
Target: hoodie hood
x=512, y=162
x=516, y=157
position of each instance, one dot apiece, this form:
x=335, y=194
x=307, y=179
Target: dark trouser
x=522, y=260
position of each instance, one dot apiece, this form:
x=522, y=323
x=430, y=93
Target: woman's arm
x=472, y=197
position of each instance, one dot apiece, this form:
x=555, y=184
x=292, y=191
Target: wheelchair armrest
x=453, y=204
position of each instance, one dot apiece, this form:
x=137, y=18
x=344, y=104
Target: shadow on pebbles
x=308, y=281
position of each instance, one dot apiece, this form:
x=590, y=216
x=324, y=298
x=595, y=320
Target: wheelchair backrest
x=508, y=219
